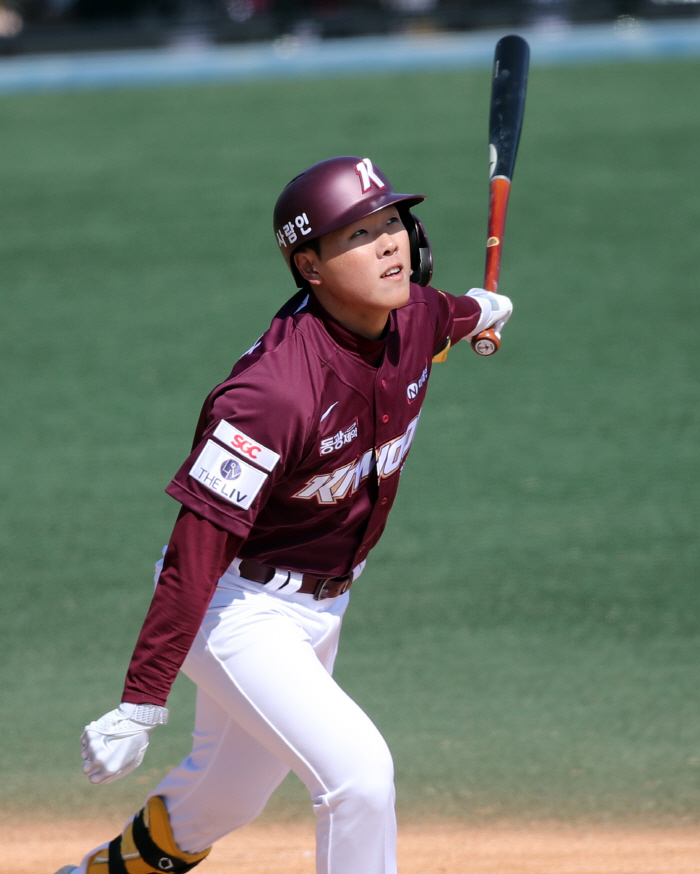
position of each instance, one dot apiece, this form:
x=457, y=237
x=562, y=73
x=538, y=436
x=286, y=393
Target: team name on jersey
x=332, y=487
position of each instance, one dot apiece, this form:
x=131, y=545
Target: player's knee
x=370, y=788
x=375, y=784
x=146, y=846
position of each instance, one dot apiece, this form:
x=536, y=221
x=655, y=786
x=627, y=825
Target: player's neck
x=370, y=351
x=369, y=324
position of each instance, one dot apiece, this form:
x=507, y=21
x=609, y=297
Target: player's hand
x=496, y=309
x=115, y=744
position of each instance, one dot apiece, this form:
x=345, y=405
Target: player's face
x=363, y=272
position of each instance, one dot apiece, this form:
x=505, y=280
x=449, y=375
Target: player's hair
x=314, y=245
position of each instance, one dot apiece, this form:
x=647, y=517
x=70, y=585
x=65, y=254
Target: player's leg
x=223, y=784
x=267, y=664
x=265, y=660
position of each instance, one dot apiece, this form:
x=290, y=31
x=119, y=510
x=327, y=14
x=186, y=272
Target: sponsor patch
x=245, y=445
x=337, y=441
x=227, y=476
x=413, y=389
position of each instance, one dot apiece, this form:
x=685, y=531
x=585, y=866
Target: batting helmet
x=337, y=192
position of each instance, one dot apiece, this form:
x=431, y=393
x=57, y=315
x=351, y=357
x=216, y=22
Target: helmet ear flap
x=421, y=252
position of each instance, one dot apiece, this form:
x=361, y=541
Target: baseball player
x=294, y=468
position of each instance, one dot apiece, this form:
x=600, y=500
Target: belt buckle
x=321, y=592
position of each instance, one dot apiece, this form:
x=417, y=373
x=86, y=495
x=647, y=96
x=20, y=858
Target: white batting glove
x=496, y=309
x=115, y=744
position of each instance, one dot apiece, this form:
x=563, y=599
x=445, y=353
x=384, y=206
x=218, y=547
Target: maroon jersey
x=300, y=450
x=296, y=461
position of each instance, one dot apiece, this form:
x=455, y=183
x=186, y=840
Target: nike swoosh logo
x=325, y=415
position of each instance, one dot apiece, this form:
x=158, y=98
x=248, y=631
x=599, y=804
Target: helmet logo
x=368, y=177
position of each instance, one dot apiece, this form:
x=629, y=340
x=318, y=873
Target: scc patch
x=245, y=445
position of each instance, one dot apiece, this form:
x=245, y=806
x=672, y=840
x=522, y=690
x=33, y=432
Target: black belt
x=320, y=587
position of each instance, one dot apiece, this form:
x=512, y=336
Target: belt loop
x=357, y=570
x=290, y=581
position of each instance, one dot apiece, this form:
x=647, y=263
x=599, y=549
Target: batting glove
x=496, y=309
x=115, y=744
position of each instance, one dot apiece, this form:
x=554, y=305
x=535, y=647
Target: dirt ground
x=432, y=849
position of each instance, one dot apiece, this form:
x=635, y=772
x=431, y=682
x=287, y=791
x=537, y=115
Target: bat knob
x=486, y=343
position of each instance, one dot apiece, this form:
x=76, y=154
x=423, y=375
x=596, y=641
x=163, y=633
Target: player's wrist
x=496, y=309
x=146, y=714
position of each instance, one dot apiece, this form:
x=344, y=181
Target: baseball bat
x=508, y=86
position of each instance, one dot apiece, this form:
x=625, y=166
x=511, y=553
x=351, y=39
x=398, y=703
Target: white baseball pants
x=267, y=704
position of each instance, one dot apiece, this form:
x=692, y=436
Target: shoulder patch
x=227, y=476
x=245, y=445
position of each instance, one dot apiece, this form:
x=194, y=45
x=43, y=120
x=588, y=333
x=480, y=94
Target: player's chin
x=395, y=284
x=399, y=293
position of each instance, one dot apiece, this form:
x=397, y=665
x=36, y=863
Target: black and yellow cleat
x=146, y=846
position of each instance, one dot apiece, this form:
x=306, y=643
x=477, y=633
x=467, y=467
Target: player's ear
x=306, y=262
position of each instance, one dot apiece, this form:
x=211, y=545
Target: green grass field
x=526, y=635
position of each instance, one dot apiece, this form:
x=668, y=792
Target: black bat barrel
x=510, y=66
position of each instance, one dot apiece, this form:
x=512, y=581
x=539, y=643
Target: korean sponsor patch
x=414, y=388
x=339, y=439
x=245, y=445
x=227, y=476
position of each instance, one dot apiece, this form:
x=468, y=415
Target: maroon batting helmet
x=337, y=192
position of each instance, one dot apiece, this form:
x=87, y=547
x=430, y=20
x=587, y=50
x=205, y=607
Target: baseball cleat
x=67, y=869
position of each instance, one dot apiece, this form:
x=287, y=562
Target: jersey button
x=385, y=418
x=383, y=383
x=384, y=502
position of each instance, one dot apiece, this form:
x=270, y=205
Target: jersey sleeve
x=198, y=554
x=454, y=317
x=252, y=432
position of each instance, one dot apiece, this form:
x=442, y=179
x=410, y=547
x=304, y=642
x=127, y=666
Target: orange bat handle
x=487, y=342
